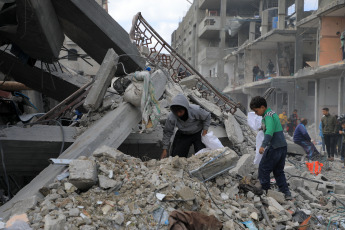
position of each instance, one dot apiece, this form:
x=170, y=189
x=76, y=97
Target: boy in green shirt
x=273, y=148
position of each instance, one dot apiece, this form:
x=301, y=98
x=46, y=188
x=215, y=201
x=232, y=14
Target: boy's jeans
x=273, y=160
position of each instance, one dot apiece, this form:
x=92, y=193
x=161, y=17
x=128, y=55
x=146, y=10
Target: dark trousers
x=273, y=160
x=342, y=154
x=330, y=141
x=182, y=143
x=342, y=48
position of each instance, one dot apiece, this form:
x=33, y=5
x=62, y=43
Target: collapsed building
x=103, y=171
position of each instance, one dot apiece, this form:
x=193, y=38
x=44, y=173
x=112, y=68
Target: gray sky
x=162, y=15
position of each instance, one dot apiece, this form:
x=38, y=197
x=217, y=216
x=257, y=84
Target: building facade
x=254, y=45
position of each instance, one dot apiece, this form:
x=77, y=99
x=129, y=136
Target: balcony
x=209, y=27
x=209, y=55
x=209, y=4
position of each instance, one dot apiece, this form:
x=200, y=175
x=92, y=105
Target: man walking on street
x=273, y=148
x=329, y=129
x=191, y=121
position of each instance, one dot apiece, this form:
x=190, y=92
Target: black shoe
x=288, y=197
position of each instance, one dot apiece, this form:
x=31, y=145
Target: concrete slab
x=27, y=150
x=38, y=32
x=95, y=31
x=49, y=84
x=103, y=78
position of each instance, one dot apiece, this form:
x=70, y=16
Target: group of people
x=259, y=74
x=332, y=135
x=192, y=122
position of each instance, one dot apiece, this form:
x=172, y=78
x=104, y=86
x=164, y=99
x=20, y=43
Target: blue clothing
x=301, y=134
x=320, y=128
x=273, y=160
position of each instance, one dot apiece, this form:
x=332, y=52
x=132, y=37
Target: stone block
x=296, y=183
x=106, y=182
x=24, y=205
x=108, y=152
x=83, y=174
x=190, y=81
x=273, y=203
x=54, y=222
x=306, y=195
x=186, y=193
x=278, y=196
x=339, y=188
x=244, y=165
x=233, y=129
x=322, y=188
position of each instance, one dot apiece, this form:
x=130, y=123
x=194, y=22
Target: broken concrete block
x=108, y=152
x=244, y=165
x=233, y=129
x=119, y=218
x=322, y=188
x=227, y=160
x=207, y=105
x=102, y=81
x=105, y=182
x=54, y=222
x=83, y=174
x=278, y=196
x=273, y=203
x=24, y=205
x=339, y=188
x=190, y=81
x=186, y=193
x=307, y=195
x=295, y=149
x=296, y=183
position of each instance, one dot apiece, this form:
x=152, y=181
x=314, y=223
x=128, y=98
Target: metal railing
x=160, y=52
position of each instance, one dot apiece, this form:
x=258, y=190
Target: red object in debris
x=304, y=224
x=5, y=94
x=314, y=167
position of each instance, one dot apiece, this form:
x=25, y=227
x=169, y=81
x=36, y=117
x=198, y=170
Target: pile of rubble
x=111, y=190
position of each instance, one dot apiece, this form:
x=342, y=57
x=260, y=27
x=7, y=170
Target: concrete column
x=36, y=100
x=264, y=22
x=299, y=6
x=222, y=45
x=299, y=49
x=252, y=31
x=317, y=105
x=261, y=7
x=340, y=96
x=281, y=14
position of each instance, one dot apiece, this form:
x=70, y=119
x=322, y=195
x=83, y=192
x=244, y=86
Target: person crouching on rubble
x=302, y=138
x=191, y=121
x=273, y=148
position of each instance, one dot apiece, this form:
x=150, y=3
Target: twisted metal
x=160, y=52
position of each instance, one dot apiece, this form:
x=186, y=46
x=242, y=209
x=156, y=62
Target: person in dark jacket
x=302, y=138
x=273, y=148
x=329, y=129
x=191, y=121
x=294, y=119
x=256, y=71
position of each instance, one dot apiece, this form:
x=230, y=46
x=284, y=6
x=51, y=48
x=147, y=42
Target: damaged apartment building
x=225, y=40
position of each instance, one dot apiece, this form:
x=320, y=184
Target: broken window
x=72, y=55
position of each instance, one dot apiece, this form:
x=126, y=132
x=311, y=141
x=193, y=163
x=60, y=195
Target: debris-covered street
x=237, y=122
